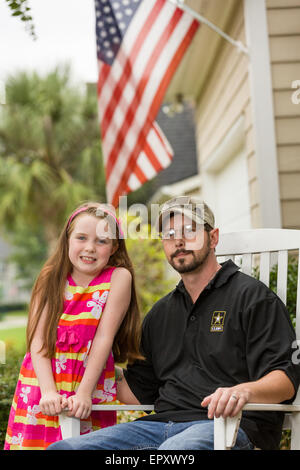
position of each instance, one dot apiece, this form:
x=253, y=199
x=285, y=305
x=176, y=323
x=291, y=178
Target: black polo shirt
x=237, y=331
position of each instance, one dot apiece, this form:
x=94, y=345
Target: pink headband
x=83, y=209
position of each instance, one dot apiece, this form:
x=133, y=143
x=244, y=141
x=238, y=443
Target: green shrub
x=292, y=277
x=291, y=300
x=9, y=373
x=291, y=286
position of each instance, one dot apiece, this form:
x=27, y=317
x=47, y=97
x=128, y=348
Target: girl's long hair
x=49, y=288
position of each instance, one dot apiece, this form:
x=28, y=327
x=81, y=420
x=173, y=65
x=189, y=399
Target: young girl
x=83, y=316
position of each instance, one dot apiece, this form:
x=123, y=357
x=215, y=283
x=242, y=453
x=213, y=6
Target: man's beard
x=183, y=266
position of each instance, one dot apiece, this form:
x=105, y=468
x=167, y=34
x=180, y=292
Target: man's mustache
x=177, y=252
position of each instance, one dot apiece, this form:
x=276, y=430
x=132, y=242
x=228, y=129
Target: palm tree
x=50, y=153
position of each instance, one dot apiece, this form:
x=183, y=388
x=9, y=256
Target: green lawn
x=15, y=337
x=14, y=313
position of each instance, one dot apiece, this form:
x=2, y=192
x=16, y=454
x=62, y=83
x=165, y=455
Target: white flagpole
x=201, y=19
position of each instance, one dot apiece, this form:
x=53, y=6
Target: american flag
x=139, y=46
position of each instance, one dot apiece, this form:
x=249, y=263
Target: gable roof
x=179, y=129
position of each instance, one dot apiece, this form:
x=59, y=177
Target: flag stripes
x=130, y=93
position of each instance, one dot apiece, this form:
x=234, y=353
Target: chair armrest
x=70, y=426
x=271, y=407
x=226, y=429
x=123, y=407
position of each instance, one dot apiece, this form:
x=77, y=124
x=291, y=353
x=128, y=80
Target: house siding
x=223, y=101
x=284, y=36
x=226, y=97
x=221, y=97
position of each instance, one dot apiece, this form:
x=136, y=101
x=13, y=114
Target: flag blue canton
x=112, y=20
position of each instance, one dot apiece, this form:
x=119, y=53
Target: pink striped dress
x=27, y=427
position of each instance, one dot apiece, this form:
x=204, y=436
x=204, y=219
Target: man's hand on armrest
x=275, y=387
x=124, y=393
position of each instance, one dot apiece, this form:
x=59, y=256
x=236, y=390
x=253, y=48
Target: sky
x=65, y=32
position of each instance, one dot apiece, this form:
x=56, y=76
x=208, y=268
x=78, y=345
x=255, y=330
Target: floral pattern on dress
x=17, y=440
x=60, y=364
x=31, y=414
x=25, y=392
x=108, y=392
x=97, y=303
x=68, y=294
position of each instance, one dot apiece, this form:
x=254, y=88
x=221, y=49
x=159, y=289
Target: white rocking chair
x=251, y=247
x=245, y=248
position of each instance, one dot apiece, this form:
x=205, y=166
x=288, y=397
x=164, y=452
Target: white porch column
x=263, y=113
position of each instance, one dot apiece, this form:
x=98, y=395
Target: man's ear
x=214, y=237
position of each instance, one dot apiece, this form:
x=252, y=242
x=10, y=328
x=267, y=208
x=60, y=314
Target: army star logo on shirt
x=217, y=321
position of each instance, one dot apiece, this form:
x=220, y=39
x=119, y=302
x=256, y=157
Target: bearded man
x=219, y=340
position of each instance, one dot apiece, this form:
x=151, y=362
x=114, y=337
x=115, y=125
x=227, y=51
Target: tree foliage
x=21, y=9
x=51, y=161
x=292, y=280
x=50, y=152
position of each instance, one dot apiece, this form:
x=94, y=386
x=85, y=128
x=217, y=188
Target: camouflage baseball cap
x=194, y=208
